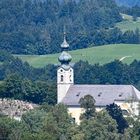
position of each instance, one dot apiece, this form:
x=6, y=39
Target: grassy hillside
x=103, y=54
x=128, y=23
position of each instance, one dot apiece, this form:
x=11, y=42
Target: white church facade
x=68, y=93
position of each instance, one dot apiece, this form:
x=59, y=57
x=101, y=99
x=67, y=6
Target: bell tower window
x=70, y=78
x=62, y=78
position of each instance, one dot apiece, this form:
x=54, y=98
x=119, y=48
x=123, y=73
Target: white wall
x=62, y=89
x=76, y=112
x=63, y=86
x=131, y=107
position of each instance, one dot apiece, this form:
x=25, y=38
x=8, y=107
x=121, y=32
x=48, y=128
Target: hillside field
x=128, y=23
x=103, y=54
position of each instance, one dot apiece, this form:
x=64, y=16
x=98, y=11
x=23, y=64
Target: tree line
x=36, y=26
x=21, y=81
x=133, y=11
x=114, y=72
x=54, y=123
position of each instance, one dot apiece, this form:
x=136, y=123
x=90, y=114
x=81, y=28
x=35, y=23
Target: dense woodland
x=54, y=123
x=36, y=27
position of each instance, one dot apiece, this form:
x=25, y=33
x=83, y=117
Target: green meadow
x=128, y=23
x=103, y=54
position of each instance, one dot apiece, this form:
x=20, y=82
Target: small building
x=68, y=93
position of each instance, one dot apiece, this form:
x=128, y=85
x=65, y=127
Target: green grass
x=102, y=55
x=128, y=23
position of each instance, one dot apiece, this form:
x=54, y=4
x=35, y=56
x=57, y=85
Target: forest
x=36, y=27
x=54, y=123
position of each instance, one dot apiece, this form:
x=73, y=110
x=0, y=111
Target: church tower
x=65, y=77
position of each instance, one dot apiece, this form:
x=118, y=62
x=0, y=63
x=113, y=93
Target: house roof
x=103, y=94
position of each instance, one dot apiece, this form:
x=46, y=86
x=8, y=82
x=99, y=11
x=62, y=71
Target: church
x=68, y=93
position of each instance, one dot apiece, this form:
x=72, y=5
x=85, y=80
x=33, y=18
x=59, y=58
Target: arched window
x=70, y=78
x=62, y=78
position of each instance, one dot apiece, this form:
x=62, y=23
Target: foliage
x=37, y=92
x=35, y=27
x=133, y=11
x=21, y=81
x=102, y=126
x=54, y=122
x=11, y=129
x=116, y=113
x=34, y=120
x=58, y=122
x=88, y=104
x=112, y=73
x=135, y=129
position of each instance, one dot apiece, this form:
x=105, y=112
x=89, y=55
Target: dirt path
x=124, y=57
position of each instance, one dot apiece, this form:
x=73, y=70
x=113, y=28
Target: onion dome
x=65, y=58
